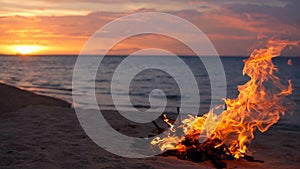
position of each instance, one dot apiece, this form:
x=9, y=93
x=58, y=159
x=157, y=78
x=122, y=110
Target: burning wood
x=259, y=105
x=214, y=150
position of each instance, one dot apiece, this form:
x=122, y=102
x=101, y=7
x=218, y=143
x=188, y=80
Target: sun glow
x=26, y=49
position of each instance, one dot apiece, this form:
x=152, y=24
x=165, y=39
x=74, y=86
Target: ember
x=259, y=105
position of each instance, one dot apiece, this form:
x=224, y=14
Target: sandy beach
x=139, y=84
x=43, y=132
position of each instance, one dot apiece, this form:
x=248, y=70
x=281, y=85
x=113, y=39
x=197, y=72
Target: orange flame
x=258, y=106
x=290, y=62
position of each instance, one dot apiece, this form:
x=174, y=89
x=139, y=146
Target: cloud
x=146, y=41
x=233, y=26
x=288, y=13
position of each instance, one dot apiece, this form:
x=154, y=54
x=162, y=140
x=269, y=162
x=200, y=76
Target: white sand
x=42, y=132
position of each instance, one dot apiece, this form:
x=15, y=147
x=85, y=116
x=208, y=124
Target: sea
x=52, y=76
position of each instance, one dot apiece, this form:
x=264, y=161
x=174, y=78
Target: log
x=159, y=129
x=251, y=159
x=216, y=161
x=199, y=152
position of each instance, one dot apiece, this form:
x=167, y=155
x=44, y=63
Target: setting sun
x=26, y=49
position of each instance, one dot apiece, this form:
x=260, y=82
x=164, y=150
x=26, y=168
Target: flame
x=258, y=106
x=290, y=62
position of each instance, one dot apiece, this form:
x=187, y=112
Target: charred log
x=213, y=150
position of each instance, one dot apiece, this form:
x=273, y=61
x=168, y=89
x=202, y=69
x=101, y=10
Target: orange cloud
x=146, y=41
x=231, y=28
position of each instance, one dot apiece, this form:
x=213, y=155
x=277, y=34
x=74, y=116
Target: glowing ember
x=258, y=106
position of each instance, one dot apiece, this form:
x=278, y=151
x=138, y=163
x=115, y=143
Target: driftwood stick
x=178, y=110
x=216, y=161
x=160, y=130
x=252, y=159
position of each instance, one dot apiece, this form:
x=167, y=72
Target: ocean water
x=52, y=76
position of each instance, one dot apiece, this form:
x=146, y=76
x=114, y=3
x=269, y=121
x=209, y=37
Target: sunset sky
x=235, y=27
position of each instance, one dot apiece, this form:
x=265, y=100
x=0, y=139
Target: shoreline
x=43, y=132
x=13, y=98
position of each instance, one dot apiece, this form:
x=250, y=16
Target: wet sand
x=43, y=132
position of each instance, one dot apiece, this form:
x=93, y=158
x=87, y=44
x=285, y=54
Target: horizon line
x=125, y=55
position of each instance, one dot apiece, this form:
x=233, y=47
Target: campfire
x=260, y=103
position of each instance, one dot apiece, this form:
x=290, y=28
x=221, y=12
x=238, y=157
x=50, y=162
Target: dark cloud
x=288, y=14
